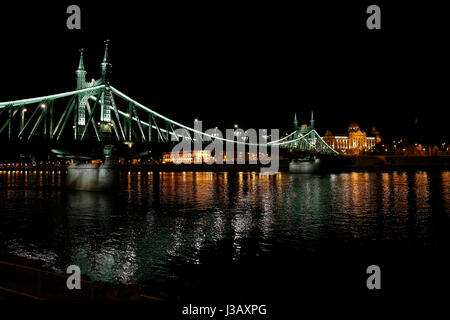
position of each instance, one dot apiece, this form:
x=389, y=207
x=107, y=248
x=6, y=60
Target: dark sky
x=253, y=65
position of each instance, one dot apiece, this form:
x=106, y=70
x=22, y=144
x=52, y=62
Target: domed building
x=353, y=127
x=355, y=141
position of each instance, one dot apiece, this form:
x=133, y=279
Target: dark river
x=216, y=230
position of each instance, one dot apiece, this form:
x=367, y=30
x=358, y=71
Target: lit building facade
x=205, y=156
x=194, y=156
x=354, y=141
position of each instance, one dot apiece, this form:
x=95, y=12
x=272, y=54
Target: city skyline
x=223, y=80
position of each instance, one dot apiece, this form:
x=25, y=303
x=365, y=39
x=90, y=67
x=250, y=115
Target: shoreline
x=392, y=161
x=27, y=279
x=345, y=163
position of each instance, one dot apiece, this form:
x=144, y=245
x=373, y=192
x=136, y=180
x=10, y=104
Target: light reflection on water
x=161, y=219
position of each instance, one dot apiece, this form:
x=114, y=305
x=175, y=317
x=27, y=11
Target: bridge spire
x=81, y=72
x=81, y=64
x=312, y=119
x=295, y=122
x=106, y=97
x=106, y=64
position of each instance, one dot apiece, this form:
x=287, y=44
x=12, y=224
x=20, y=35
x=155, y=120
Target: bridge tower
x=296, y=127
x=106, y=65
x=311, y=128
x=82, y=100
x=81, y=73
x=106, y=98
x=83, y=107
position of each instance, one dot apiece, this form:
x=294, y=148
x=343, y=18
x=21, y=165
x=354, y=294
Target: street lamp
x=22, y=118
x=215, y=132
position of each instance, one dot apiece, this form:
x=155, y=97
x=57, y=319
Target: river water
x=206, y=230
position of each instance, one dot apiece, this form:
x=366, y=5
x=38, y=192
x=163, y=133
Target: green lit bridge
x=100, y=113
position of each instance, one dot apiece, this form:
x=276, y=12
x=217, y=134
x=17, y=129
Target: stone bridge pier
x=305, y=165
x=94, y=176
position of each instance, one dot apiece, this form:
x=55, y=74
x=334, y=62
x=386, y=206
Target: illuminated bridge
x=98, y=112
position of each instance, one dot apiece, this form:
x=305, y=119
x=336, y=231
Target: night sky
x=255, y=65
